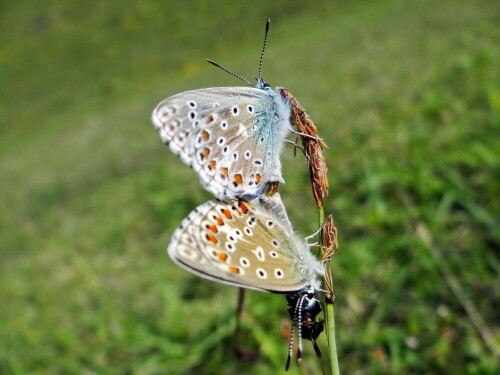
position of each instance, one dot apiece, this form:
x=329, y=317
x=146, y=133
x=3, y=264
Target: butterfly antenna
x=290, y=350
x=299, y=329
x=268, y=21
x=228, y=71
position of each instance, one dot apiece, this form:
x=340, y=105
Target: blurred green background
x=406, y=94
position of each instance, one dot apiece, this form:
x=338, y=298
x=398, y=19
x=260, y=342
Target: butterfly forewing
x=231, y=136
x=238, y=243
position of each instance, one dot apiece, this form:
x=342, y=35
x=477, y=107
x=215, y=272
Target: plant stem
x=330, y=315
x=330, y=335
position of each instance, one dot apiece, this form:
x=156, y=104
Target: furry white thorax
x=311, y=268
x=307, y=265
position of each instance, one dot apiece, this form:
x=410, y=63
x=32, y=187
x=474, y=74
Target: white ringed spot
x=278, y=273
x=244, y=262
x=261, y=274
x=259, y=253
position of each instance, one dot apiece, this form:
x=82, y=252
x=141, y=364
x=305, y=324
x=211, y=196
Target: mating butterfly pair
x=232, y=137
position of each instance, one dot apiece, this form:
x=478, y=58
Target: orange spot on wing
x=243, y=207
x=225, y=172
x=213, y=163
x=258, y=178
x=212, y=228
x=238, y=179
x=227, y=213
x=210, y=119
x=219, y=220
x=221, y=257
x=205, y=135
x=234, y=269
x=212, y=239
x=206, y=152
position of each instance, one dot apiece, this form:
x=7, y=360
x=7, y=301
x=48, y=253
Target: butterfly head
x=261, y=84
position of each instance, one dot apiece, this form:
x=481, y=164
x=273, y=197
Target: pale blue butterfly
x=253, y=245
x=250, y=244
x=231, y=136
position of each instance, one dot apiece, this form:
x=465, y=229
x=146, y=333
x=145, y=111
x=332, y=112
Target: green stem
x=330, y=335
x=321, y=216
x=330, y=316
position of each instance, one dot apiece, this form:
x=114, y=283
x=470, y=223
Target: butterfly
x=251, y=244
x=246, y=244
x=231, y=136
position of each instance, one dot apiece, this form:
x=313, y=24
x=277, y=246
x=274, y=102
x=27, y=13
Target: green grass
x=407, y=95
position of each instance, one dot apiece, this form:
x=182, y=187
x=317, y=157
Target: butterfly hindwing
x=240, y=243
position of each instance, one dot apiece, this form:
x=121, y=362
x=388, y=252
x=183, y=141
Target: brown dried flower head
x=313, y=146
x=329, y=234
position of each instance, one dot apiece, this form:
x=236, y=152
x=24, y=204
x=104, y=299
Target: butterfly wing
x=231, y=136
x=240, y=243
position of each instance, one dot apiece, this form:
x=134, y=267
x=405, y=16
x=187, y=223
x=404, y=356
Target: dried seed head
x=329, y=234
x=313, y=146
